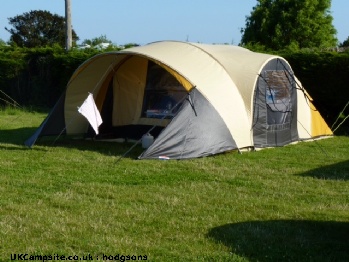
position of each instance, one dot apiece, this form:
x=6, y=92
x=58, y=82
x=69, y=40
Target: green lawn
x=73, y=198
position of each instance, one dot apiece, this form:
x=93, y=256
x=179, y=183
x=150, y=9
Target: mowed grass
x=74, y=197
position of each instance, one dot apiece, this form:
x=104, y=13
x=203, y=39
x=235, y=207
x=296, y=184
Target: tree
x=345, y=43
x=279, y=24
x=96, y=41
x=38, y=28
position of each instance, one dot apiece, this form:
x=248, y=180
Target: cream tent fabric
x=222, y=82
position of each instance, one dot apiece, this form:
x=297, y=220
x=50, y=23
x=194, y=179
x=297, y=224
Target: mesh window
x=278, y=97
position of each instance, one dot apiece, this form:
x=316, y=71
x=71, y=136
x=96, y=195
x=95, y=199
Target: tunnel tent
x=197, y=99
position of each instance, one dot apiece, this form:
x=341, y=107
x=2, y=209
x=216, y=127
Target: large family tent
x=196, y=100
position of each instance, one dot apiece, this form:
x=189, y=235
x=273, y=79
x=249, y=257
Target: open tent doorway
x=150, y=88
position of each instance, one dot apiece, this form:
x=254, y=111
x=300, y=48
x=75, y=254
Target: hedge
x=325, y=76
x=37, y=77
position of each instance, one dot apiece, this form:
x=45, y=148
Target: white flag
x=89, y=110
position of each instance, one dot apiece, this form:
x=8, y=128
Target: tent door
x=274, y=120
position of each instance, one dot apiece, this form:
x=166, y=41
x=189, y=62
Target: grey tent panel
x=275, y=106
x=52, y=125
x=196, y=131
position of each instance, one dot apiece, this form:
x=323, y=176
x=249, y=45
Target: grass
x=74, y=198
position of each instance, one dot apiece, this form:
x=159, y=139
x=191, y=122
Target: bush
x=38, y=76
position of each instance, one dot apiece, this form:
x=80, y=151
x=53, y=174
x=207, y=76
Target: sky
x=146, y=21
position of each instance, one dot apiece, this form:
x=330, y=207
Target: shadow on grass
x=338, y=171
x=285, y=240
x=107, y=148
x=18, y=137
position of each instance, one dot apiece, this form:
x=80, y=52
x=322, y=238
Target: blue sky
x=145, y=21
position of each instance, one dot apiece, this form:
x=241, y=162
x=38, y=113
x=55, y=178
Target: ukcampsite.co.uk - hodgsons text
x=57, y=257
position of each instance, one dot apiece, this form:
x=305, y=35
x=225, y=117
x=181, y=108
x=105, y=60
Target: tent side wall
x=319, y=127
x=303, y=117
x=310, y=122
x=52, y=125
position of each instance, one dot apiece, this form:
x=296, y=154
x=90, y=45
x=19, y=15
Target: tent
x=197, y=100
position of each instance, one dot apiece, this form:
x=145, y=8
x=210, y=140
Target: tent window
x=278, y=97
x=162, y=93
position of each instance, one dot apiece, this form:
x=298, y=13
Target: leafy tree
x=280, y=24
x=38, y=28
x=345, y=43
x=96, y=41
x=129, y=45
